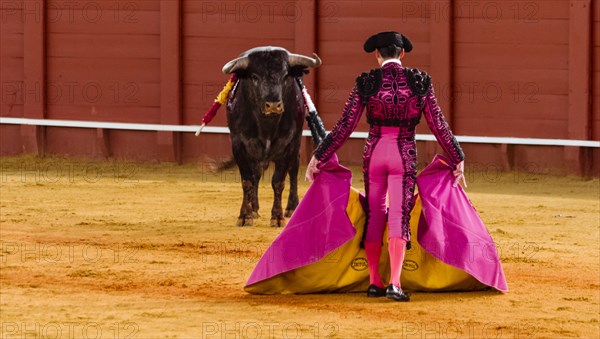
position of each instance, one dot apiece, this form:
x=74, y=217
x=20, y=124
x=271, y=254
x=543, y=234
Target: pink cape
x=318, y=226
x=453, y=232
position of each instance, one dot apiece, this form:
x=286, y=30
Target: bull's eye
x=254, y=77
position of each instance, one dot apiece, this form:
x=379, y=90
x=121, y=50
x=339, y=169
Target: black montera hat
x=385, y=39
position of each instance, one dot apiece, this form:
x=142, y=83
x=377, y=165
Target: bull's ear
x=298, y=71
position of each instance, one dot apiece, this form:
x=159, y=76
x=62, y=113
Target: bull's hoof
x=289, y=212
x=255, y=214
x=277, y=222
x=247, y=221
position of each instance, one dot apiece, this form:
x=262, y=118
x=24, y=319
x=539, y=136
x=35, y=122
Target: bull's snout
x=273, y=107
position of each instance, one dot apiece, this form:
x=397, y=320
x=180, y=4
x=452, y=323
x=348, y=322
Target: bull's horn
x=235, y=64
x=241, y=62
x=302, y=60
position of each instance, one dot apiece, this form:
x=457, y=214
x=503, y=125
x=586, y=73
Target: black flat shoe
x=375, y=291
x=393, y=292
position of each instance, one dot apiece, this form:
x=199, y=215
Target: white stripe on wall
x=225, y=130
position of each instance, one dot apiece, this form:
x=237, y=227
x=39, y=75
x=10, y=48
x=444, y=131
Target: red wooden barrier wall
x=500, y=68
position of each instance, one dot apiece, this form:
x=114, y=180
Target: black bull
x=265, y=114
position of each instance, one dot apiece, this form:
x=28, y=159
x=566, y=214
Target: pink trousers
x=386, y=175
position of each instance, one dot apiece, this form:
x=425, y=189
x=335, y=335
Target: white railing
x=225, y=130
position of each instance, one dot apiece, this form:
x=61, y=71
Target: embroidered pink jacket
x=395, y=104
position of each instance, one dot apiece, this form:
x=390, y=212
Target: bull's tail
x=224, y=165
x=227, y=164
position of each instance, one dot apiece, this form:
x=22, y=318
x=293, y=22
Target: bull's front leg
x=278, y=183
x=247, y=169
x=246, y=217
x=293, y=196
x=258, y=172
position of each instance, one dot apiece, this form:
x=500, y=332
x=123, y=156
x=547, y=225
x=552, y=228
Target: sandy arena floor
x=121, y=250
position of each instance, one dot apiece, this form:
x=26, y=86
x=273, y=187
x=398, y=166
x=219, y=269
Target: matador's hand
x=312, y=169
x=459, y=174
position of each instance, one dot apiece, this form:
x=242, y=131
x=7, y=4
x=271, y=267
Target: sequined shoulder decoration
x=368, y=84
x=419, y=81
